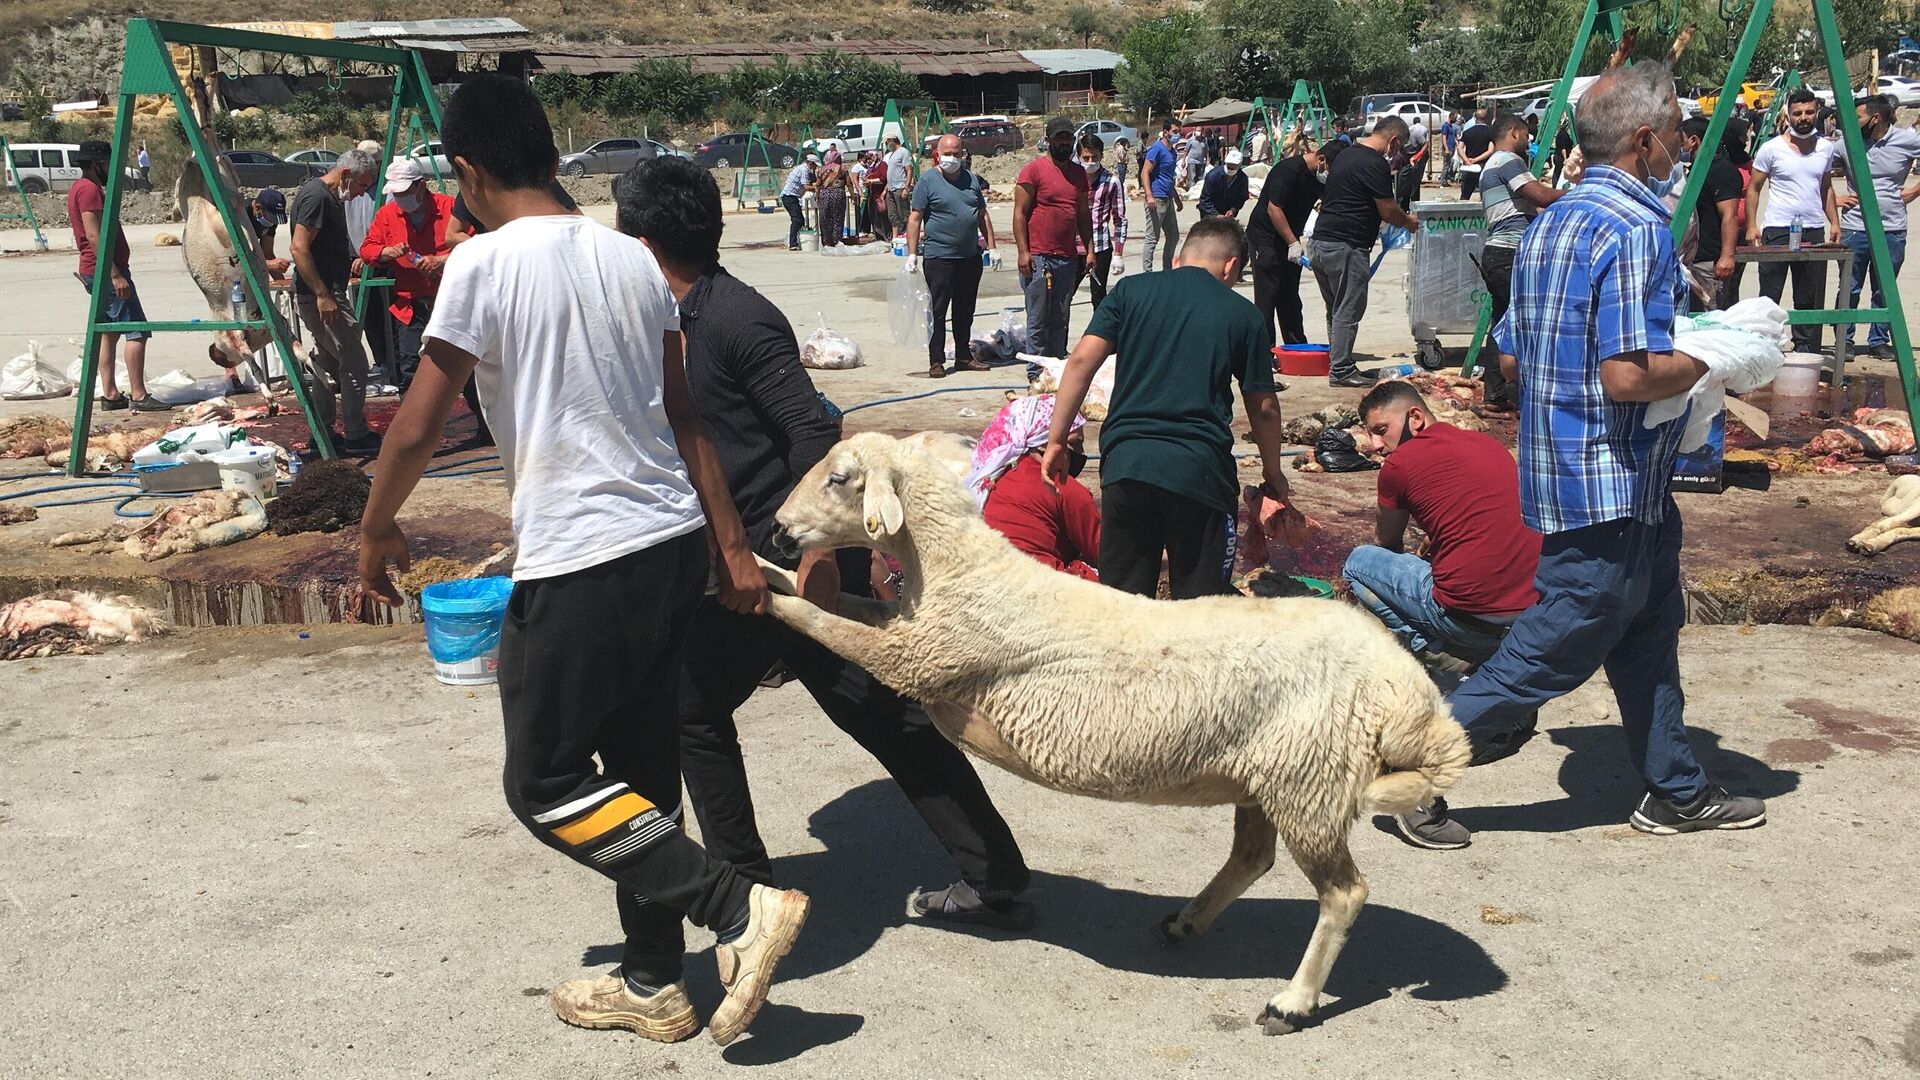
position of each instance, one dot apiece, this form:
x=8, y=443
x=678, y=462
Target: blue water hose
x=927, y=394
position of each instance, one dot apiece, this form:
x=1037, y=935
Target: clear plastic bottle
x=1793, y=237
x=237, y=300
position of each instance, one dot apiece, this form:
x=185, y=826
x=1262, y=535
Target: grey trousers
x=338, y=353
x=1342, y=272
x=1163, y=227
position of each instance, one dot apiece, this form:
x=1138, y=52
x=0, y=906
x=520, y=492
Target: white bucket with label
x=247, y=469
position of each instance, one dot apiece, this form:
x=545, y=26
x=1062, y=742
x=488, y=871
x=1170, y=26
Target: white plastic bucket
x=479, y=671
x=463, y=620
x=1799, y=377
x=809, y=240
x=247, y=469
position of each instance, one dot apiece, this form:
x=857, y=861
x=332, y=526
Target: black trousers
x=797, y=219
x=727, y=654
x=1809, y=282
x=1276, y=290
x=381, y=330
x=1406, y=185
x=590, y=665
x=1469, y=183
x=1097, y=284
x=951, y=283
x=1496, y=270
x=1140, y=522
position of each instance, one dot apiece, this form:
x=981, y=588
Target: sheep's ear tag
x=884, y=514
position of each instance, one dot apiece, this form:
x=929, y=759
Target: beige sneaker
x=774, y=918
x=606, y=1002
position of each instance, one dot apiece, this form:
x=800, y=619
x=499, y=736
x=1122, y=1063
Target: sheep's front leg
x=1865, y=545
x=1342, y=891
x=865, y=645
x=858, y=608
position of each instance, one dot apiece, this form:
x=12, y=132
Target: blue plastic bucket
x=463, y=628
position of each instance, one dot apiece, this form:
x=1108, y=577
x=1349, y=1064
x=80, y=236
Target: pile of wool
x=207, y=520
x=107, y=450
x=1304, y=430
x=31, y=436
x=325, y=497
x=53, y=623
x=15, y=514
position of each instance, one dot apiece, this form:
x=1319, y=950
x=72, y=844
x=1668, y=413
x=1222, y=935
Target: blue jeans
x=1398, y=589
x=1856, y=241
x=1049, y=295
x=1609, y=596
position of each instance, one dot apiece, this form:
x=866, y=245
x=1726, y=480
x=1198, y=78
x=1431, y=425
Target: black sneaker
x=1357, y=378
x=365, y=444
x=1880, y=352
x=148, y=404
x=1714, y=809
x=116, y=403
x=1430, y=827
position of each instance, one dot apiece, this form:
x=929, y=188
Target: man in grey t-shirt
x=323, y=262
x=944, y=232
x=899, y=183
x=1891, y=155
x=1511, y=195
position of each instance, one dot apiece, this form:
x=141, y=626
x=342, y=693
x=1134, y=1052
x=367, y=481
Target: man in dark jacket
x=769, y=426
x=1225, y=190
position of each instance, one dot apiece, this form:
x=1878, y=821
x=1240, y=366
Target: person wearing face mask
x=1798, y=164
x=1107, y=204
x=1053, y=230
x=407, y=242
x=945, y=226
x=267, y=211
x=1597, y=285
x=1359, y=196
x=323, y=258
x=1160, y=187
x=1274, y=243
x=1891, y=155
x=1225, y=190
x=1169, y=484
x=1511, y=195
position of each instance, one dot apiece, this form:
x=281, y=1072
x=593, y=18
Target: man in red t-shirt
x=1462, y=488
x=1053, y=228
x=86, y=209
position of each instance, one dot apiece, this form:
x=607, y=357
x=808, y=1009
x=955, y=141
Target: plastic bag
x=177, y=388
x=828, y=349
x=877, y=247
x=909, y=308
x=1335, y=451
x=26, y=377
x=1742, y=348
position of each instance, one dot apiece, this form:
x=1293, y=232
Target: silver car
x=609, y=156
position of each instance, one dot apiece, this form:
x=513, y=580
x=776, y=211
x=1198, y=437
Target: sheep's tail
x=1423, y=752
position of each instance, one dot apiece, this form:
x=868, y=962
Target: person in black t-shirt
x=1476, y=146
x=1358, y=198
x=1718, y=209
x=1273, y=238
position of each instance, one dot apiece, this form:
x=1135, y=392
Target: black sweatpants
x=1140, y=522
x=1276, y=290
x=590, y=665
x=951, y=283
x=797, y=220
x=408, y=338
x=1097, y=284
x=1809, y=281
x=1496, y=271
x=727, y=654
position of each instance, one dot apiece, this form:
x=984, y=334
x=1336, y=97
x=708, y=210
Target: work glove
x=913, y=264
x=1296, y=251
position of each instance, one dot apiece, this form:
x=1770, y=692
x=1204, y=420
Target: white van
x=44, y=168
x=857, y=134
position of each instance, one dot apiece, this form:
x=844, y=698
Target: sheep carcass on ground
x=72, y=622
x=208, y=520
x=1301, y=714
x=1901, y=505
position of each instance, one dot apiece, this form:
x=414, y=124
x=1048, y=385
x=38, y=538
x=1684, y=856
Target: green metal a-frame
x=931, y=122
x=1858, y=173
x=147, y=69
x=12, y=176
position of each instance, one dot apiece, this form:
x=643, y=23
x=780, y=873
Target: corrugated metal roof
x=426, y=28
x=912, y=56
x=1068, y=61
x=484, y=45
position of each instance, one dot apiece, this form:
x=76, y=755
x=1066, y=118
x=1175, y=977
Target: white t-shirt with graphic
x=568, y=319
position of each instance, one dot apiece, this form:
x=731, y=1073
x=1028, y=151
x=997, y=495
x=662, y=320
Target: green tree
x=1084, y=22
x=1170, y=63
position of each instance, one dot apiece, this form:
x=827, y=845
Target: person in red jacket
x=1061, y=529
x=408, y=242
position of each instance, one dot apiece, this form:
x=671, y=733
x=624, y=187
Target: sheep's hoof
x=1275, y=1022
x=1171, y=931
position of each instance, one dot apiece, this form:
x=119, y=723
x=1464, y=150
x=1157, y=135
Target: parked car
x=1755, y=95
x=857, y=134
x=608, y=156
x=257, y=168
x=731, y=149
x=985, y=138
x=1903, y=90
x=661, y=149
x=322, y=158
x=1110, y=132
x=44, y=168
x=1408, y=108
x=10, y=110
x=431, y=159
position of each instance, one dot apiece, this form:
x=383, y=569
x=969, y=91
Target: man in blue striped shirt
x=1596, y=285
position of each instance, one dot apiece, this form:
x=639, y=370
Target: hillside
x=1029, y=23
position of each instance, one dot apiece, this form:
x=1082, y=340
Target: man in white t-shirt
x=1798, y=165
x=574, y=339
x=899, y=184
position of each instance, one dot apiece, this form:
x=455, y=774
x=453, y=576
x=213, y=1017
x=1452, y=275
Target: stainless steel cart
x=1444, y=287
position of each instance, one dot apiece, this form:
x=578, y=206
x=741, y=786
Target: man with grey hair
x=323, y=263
x=1596, y=287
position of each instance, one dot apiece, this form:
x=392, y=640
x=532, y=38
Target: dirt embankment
x=136, y=208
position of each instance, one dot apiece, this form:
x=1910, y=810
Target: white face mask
x=1231, y=169
x=1321, y=176
x=1090, y=166
x=949, y=163
x=407, y=202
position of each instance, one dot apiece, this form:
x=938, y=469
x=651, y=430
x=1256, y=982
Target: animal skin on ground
x=1301, y=714
x=52, y=623
x=1901, y=507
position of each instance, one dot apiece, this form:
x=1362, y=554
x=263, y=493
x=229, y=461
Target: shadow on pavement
x=1601, y=787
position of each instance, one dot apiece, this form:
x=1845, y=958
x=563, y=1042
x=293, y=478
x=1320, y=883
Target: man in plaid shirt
x=1596, y=285
x=1107, y=201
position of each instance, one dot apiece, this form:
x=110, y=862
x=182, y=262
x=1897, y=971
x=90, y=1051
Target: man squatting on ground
x=1169, y=486
x=572, y=332
x=1596, y=286
x=769, y=427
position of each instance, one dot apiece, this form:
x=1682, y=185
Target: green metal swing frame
x=12, y=174
x=148, y=69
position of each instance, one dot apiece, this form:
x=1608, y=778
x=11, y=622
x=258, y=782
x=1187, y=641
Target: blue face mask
x=1662, y=185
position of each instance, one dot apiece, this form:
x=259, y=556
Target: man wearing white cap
x=407, y=242
x=1225, y=191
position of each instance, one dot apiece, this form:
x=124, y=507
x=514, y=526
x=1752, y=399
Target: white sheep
x=1302, y=714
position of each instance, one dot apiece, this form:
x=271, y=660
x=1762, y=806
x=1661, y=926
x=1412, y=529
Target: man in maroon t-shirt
x=1463, y=489
x=86, y=207
x=1053, y=228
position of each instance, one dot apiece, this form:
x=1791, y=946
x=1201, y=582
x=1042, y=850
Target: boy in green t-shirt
x=1168, y=482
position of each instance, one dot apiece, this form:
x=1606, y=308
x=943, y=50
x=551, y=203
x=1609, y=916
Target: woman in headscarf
x=1060, y=528
x=832, y=191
